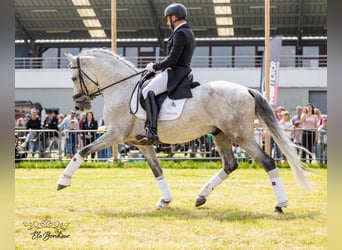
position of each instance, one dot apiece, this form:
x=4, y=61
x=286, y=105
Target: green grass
x=181, y=164
x=114, y=208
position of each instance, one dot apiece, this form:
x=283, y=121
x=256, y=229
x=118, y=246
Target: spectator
x=297, y=134
x=81, y=119
x=204, y=144
x=317, y=149
x=318, y=113
x=286, y=125
x=62, y=136
x=78, y=117
x=323, y=141
x=20, y=124
x=26, y=118
x=18, y=153
x=60, y=118
x=259, y=134
x=238, y=151
x=309, y=123
x=297, y=127
x=50, y=122
x=65, y=125
x=32, y=124
x=72, y=140
x=276, y=150
x=101, y=122
x=297, y=117
x=89, y=124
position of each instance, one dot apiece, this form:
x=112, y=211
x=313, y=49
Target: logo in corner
x=47, y=229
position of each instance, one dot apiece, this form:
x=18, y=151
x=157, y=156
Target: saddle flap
x=169, y=109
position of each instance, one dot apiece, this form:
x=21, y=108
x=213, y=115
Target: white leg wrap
x=212, y=183
x=278, y=188
x=164, y=188
x=73, y=165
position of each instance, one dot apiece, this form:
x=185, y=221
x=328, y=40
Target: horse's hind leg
x=224, y=147
x=152, y=161
x=255, y=151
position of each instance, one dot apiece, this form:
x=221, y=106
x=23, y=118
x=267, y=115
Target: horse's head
x=85, y=83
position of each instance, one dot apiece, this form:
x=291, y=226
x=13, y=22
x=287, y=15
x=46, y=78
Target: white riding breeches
x=158, y=84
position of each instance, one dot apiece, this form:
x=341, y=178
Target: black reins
x=84, y=89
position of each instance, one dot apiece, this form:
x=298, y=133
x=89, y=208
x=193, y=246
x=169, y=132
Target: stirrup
x=149, y=138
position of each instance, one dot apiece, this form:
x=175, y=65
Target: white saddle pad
x=170, y=109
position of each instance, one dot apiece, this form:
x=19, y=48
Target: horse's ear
x=70, y=57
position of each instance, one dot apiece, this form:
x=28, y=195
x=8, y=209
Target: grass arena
x=113, y=208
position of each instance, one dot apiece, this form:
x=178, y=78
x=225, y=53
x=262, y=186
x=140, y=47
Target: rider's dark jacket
x=180, y=46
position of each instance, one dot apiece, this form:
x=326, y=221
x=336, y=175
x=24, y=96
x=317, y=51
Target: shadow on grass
x=229, y=214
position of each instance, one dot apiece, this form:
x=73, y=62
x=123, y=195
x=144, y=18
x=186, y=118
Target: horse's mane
x=108, y=53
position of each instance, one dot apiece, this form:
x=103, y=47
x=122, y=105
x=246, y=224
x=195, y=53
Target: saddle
x=144, y=80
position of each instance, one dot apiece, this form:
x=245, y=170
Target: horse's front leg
x=152, y=160
x=101, y=143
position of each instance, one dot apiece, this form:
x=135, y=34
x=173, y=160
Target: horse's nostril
x=77, y=107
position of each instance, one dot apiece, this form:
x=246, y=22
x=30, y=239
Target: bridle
x=84, y=89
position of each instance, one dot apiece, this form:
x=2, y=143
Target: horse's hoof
x=200, y=201
x=63, y=182
x=59, y=187
x=278, y=210
x=162, y=203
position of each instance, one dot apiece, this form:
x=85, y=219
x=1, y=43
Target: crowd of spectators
x=40, y=136
x=306, y=128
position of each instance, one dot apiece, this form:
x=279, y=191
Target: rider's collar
x=179, y=26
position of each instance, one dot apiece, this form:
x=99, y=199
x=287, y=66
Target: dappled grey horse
x=225, y=109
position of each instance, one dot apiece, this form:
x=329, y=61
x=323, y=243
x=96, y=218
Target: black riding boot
x=152, y=112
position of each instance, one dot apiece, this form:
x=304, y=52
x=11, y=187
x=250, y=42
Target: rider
x=174, y=68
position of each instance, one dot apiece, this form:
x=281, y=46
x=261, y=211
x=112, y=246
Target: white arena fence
x=51, y=145
x=301, y=61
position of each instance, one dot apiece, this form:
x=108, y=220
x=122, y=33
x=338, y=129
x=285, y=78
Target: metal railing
x=50, y=145
x=197, y=62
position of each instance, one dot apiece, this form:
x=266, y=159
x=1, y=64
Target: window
x=146, y=55
x=119, y=51
x=132, y=54
x=50, y=58
x=221, y=56
x=244, y=56
x=310, y=56
x=319, y=99
x=288, y=56
x=201, y=57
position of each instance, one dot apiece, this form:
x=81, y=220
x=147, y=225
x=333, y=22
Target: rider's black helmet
x=176, y=9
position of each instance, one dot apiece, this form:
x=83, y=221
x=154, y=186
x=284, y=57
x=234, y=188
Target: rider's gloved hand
x=149, y=67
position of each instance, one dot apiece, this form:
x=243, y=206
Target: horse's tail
x=265, y=113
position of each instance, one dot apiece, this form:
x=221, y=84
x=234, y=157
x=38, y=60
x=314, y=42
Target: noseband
x=84, y=89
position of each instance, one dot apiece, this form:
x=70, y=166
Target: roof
x=142, y=19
